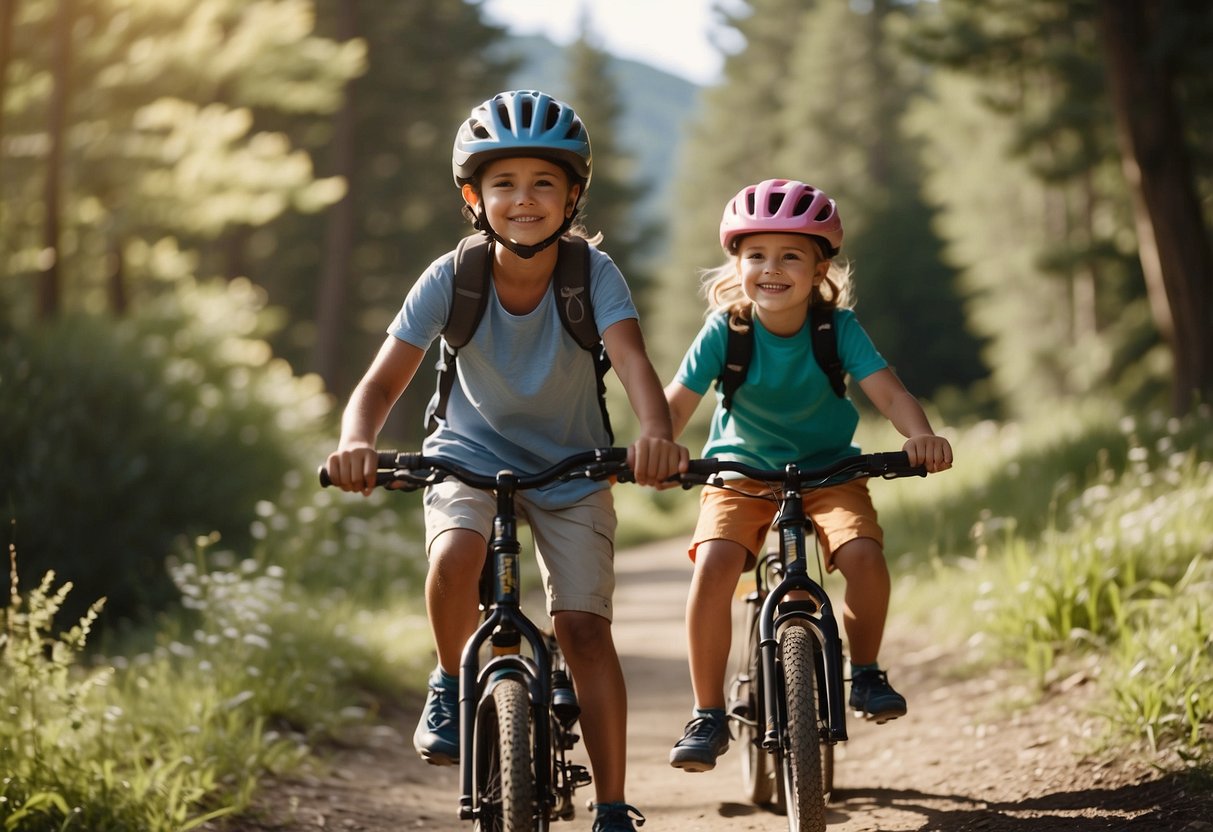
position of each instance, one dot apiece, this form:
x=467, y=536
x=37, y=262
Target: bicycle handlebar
x=887, y=465
x=415, y=470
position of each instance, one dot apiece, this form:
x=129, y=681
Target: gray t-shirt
x=525, y=395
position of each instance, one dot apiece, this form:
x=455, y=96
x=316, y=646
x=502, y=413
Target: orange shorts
x=840, y=514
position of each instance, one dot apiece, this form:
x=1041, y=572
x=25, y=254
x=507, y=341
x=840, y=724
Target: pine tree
x=1175, y=250
x=1038, y=71
x=843, y=129
x=162, y=147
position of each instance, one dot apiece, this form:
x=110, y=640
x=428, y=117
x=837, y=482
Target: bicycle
x=520, y=708
x=786, y=696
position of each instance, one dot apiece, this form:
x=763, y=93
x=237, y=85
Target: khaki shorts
x=574, y=546
x=840, y=514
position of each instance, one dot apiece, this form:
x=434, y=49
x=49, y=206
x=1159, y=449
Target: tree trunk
x=339, y=232
x=49, y=284
x=1173, y=246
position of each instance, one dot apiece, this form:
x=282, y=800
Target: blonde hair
x=721, y=287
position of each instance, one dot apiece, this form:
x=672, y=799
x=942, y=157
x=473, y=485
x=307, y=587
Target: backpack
x=571, y=285
x=739, y=349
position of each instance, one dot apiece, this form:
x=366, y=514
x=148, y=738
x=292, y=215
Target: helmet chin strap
x=525, y=252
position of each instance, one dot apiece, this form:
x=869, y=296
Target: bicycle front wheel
x=800, y=762
x=505, y=778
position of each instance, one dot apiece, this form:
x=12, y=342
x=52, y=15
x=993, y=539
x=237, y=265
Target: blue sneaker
x=873, y=698
x=616, y=817
x=706, y=737
x=437, y=736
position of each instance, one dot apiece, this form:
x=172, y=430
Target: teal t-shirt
x=785, y=411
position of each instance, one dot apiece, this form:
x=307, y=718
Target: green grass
x=240, y=684
x=1098, y=553
x=108, y=749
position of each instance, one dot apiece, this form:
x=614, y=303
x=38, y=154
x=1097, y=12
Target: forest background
x=210, y=210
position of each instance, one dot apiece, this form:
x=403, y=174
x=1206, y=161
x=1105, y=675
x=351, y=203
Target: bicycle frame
x=505, y=627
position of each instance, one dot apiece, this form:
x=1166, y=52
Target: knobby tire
x=801, y=760
x=505, y=778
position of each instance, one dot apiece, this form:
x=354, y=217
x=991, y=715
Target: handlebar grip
x=323, y=475
x=898, y=463
x=613, y=454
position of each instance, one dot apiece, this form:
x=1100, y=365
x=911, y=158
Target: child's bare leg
x=452, y=593
x=718, y=565
x=589, y=649
x=866, y=602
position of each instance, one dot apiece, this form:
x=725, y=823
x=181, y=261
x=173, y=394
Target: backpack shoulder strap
x=469, y=299
x=825, y=347
x=571, y=284
x=738, y=350
x=470, y=296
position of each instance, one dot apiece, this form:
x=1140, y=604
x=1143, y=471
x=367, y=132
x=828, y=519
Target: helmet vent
x=824, y=213
x=773, y=202
x=528, y=113
x=503, y=112
x=749, y=204
x=802, y=205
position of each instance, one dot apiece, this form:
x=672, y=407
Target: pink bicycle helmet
x=782, y=206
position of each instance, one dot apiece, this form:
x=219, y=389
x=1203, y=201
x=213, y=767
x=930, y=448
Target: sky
x=672, y=35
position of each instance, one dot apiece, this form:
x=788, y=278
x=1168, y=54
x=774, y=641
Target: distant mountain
x=656, y=109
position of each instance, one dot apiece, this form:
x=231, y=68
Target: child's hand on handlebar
x=353, y=469
x=929, y=450
x=655, y=460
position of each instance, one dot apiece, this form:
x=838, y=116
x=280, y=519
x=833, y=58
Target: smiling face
x=525, y=199
x=778, y=273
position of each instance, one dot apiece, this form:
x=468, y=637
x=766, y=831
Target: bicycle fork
x=816, y=614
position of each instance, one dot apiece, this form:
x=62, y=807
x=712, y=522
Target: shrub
x=120, y=438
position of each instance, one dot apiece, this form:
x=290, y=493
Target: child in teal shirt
x=781, y=237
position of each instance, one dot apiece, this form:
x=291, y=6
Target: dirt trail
x=957, y=763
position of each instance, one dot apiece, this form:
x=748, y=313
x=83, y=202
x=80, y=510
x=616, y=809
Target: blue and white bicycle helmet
x=523, y=123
